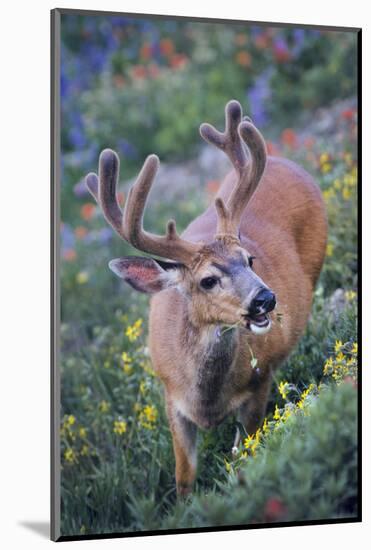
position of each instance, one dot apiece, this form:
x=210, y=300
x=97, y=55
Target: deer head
x=217, y=278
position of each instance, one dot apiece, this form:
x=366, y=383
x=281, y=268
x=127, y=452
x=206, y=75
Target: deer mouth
x=258, y=324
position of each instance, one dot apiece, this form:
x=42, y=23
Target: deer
x=237, y=283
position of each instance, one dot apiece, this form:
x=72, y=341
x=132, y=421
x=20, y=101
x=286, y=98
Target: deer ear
x=145, y=274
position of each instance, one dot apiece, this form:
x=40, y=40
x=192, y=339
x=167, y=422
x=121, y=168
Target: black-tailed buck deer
x=262, y=242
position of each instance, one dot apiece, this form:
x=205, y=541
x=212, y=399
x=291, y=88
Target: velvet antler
x=249, y=163
x=129, y=224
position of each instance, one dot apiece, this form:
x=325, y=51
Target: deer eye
x=251, y=260
x=208, y=282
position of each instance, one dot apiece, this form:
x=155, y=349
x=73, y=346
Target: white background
x=24, y=174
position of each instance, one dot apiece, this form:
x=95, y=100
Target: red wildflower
x=289, y=138
x=138, y=72
x=146, y=51
x=281, y=54
x=167, y=47
x=87, y=211
x=348, y=114
x=243, y=58
x=213, y=186
x=69, y=255
x=275, y=509
x=262, y=41
x=80, y=232
x=178, y=60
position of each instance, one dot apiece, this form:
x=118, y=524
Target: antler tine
x=91, y=181
x=245, y=188
x=228, y=141
x=238, y=133
x=103, y=188
x=169, y=246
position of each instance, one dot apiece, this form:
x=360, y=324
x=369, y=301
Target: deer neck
x=210, y=354
x=212, y=347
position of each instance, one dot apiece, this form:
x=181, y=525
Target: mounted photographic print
x=205, y=259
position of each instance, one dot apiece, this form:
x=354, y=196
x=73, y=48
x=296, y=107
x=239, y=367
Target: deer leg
x=184, y=434
x=251, y=412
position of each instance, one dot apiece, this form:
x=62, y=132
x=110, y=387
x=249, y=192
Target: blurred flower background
x=141, y=86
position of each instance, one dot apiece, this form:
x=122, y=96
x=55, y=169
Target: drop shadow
x=42, y=528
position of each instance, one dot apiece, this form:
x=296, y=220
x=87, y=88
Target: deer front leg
x=251, y=413
x=184, y=434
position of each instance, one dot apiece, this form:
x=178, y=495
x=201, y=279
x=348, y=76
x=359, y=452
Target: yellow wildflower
x=70, y=455
x=227, y=465
x=340, y=357
x=134, y=331
x=326, y=167
x=286, y=413
x=305, y=394
x=248, y=441
x=325, y=157
x=126, y=357
x=148, y=417
x=328, y=366
x=328, y=194
x=82, y=277
x=82, y=432
x=146, y=366
x=329, y=249
x=350, y=179
x=346, y=193
x=283, y=389
x=150, y=413
x=128, y=368
x=119, y=427
x=103, y=406
x=253, y=447
x=348, y=158
x=71, y=420
x=265, y=427
x=277, y=414
x=337, y=184
x=338, y=346
x=355, y=348
x=143, y=387
x=85, y=450
x=350, y=295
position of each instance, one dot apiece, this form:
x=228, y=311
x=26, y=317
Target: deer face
x=221, y=286
x=224, y=289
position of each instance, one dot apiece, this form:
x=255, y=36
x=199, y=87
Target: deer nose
x=263, y=302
